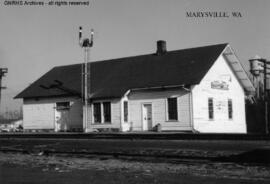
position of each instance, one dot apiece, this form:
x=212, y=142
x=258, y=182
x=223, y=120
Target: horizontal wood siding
x=41, y=114
x=38, y=116
x=159, y=112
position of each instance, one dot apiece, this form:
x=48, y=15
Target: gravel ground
x=38, y=168
x=133, y=161
x=195, y=148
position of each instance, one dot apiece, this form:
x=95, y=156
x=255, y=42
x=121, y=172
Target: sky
x=34, y=39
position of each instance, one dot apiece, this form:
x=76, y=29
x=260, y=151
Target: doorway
x=147, y=117
x=62, y=116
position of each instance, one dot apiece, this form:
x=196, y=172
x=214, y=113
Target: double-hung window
x=172, y=109
x=230, y=109
x=125, y=111
x=210, y=108
x=107, y=112
x=102, y=112
x=97, y=113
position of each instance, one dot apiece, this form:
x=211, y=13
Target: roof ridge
x=120, y=59
x=150, y=54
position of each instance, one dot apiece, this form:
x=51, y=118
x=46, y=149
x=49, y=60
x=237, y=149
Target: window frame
x=230, y=109
x=211, y=112
x=175, y=111
x=125, y=111
x=65, y=105
x=94, y=113
x=109, y=112
x=102, y=112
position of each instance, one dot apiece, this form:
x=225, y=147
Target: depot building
x=200, y=90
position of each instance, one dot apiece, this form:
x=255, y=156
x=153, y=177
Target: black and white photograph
x=134, y=91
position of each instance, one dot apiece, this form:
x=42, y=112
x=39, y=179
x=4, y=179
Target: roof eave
x=244, y=80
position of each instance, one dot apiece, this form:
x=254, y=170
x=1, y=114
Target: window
x=210, y=108
x=62, y=105
x=172, y=108
x=102, y=114
x=125, y=111
x=97, y=113
x=107, y=111
x=230, y=109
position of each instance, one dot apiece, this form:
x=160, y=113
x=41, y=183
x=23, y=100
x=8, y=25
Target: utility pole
x=86, y=44
x=3, y=71
x=265, y=94
x=260, y=65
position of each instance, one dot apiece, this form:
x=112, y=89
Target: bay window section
x=107, y=112
x=125, y=111
x=97, y=113
x=102, y=112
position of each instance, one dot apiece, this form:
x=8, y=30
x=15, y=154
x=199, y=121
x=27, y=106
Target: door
x=147, y=117
x=62, y=120
x=62, y=116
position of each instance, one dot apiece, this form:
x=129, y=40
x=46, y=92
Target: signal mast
x=86, y=44
x=3, y=72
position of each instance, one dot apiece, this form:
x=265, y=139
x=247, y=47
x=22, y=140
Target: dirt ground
x=38, y=168
x=75, y=161
x=194, y=148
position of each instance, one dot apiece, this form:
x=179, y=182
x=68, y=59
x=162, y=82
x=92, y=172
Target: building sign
x=222, y=83
x=219, y=85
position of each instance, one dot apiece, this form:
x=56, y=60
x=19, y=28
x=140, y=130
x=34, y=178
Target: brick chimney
x=161, y=47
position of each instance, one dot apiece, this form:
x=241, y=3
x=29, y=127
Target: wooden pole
x=265, y=98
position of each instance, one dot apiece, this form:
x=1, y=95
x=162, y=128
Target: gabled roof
x=113, y=78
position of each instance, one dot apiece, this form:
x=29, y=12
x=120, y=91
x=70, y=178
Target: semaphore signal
x=86, y=44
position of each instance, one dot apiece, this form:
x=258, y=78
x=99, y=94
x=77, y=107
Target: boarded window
x=125, y=111
x=210, y=108
x=107, y=111
x=230, y=109
x=62, y=105
x=172, y=109
x=97, y=113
